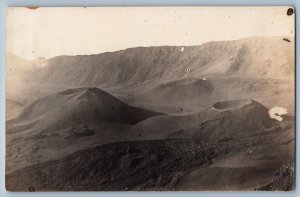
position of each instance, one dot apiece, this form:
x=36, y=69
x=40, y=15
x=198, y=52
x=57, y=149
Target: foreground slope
x=241, y=155
x=188, y=164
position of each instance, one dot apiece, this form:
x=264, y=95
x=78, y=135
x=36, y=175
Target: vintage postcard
x=150, y=98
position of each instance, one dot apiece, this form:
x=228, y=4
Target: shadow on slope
x=77, y=106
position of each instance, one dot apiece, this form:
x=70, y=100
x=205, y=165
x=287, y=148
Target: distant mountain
x=16, y=64
x=19, y=76
x=165, y=71
x=251, y=57
x=19, y=67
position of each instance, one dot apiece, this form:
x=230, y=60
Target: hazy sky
x=49, y=32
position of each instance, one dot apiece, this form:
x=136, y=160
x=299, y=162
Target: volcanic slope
x=225, y=119
x=86, y=115
x=234, y=138
x=191, y=94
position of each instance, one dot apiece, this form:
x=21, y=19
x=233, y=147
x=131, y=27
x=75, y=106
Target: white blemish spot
x=204, y=78
x=182, y=49
x=277, y=112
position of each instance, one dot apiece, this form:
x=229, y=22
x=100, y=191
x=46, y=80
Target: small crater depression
x=224, y=105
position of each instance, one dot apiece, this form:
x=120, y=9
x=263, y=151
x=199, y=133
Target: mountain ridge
x=249, y=57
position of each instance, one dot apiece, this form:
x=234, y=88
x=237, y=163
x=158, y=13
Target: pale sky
x=49, y=32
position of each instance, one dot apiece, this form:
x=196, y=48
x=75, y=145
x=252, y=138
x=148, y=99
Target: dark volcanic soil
x=165, y=165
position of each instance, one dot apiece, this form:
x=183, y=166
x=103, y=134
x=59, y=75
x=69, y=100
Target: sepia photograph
x=150, y=99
